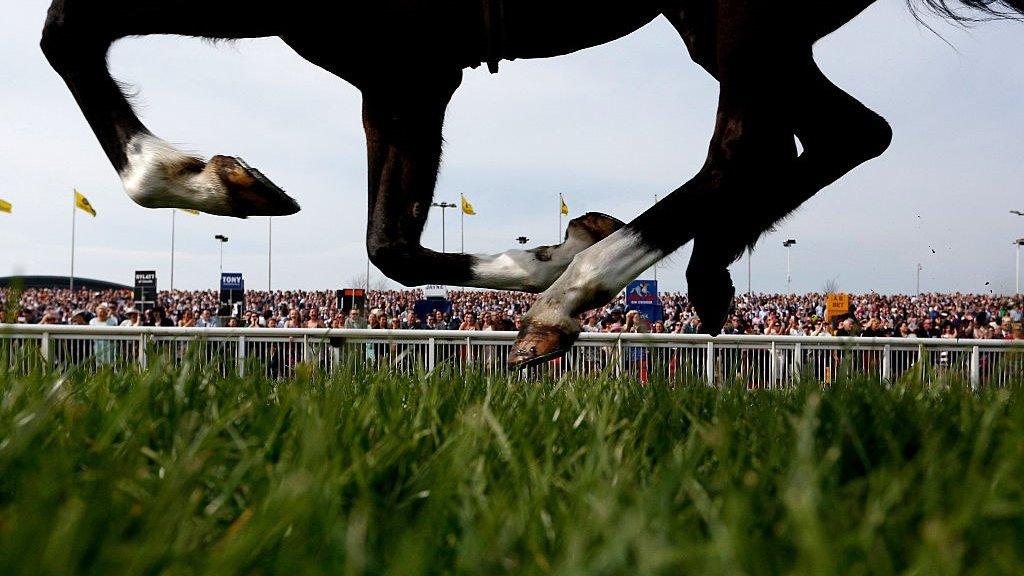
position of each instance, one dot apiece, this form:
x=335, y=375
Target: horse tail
x=984, y=9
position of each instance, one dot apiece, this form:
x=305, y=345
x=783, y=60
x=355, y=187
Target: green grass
x=175, y=471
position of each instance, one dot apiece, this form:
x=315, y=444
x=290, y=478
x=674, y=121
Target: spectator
x=207, y=320
x=103, y=350
x=132, y=318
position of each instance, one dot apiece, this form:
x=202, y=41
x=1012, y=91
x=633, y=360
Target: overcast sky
x=609, y=128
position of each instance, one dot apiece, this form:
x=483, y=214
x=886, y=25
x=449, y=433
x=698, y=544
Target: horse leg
x=837, y=132
x=752, y=144
x=404, y=137
x=76, y=38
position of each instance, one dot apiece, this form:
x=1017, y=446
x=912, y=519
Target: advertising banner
x=642, y=296
x=145, y=290
x=351, y=298
x=232, y=294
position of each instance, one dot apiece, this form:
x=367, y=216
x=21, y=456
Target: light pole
x=750, y=254
x=789, y=275
x=919, y=268
x=1018, y=242
x=443, y=206
x=221, y=239
x=270, y=252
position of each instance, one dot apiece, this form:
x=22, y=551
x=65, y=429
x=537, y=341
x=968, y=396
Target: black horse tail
x=982, y=9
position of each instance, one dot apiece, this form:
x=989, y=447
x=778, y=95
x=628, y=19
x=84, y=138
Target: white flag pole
x=74, y=213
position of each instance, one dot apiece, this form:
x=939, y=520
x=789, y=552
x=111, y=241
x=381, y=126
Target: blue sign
x=642, y=296
x=231, y=281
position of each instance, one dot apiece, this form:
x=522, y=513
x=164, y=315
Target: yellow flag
x=565, y=207
x=5, y=206
x=467, y=208
x=83, y=203
x=190, y=211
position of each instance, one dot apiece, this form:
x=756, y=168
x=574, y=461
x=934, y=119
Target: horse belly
x=545, y=28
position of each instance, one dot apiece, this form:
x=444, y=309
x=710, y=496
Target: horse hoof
x=538, y=344
x=249, y=192
x=593, y=227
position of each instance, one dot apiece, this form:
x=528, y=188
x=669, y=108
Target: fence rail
x=759, y=361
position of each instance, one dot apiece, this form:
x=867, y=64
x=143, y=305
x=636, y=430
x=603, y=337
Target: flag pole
x=74, y=212
x=173, y=216
x=560, y=201
x=462, y=210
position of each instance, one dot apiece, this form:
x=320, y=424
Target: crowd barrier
x=757, y=361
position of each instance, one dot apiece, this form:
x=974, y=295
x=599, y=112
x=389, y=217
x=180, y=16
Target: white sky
x=609, y=128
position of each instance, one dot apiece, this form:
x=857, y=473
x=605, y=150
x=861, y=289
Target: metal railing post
x=887, y=363
x=975, y=367
x=46, y=351
x=709, y=364
x=431, y=353
x=798, y=362
x=307, y=353
x=142, y=358
x=240, y=357
x=921, y=362
x=618, y=358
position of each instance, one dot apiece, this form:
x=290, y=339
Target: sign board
x=642, y=296
x=836, y=305
x=232, y=294
x=145, y=290
x=350, y=298
x=435, y=291
x=425, y=307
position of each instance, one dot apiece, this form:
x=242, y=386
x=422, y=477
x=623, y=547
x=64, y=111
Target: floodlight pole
x=270, y=252
x=1019, y=242
x=789, y=270
x=443, y=206
x=222, y=239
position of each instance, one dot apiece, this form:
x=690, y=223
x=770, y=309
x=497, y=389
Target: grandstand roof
x=59, y=282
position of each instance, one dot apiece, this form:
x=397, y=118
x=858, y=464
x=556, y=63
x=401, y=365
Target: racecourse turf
x=180, y=471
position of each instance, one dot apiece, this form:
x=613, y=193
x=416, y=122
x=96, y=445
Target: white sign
x=435, y=291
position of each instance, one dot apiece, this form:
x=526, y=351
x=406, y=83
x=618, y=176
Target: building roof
x=59, y=282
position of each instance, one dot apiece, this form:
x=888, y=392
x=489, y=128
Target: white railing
x=758, y=361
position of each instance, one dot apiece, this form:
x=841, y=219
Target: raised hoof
x=249, y=192
x=593, y=226
x=538, y=344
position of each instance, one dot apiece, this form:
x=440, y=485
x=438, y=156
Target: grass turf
x=177, y=471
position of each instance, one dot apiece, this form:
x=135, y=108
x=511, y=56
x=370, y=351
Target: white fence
x=757, y=361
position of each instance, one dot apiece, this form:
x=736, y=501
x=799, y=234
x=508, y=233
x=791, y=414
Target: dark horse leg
x=403, y=133
x=76, y=38
x=761, y=63
x=837, y=132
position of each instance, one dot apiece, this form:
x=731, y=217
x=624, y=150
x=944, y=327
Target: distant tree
x=831, y=286
x=377, y=282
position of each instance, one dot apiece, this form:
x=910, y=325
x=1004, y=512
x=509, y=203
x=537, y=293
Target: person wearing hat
x=132, y=318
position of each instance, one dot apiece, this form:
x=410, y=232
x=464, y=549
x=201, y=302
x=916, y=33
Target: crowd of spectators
x=921, y=316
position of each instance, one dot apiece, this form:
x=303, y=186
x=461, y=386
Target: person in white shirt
x=103, y=350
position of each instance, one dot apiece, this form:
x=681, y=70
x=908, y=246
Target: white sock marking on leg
x=605, y=267
x=521, y=270
x=152, y=178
